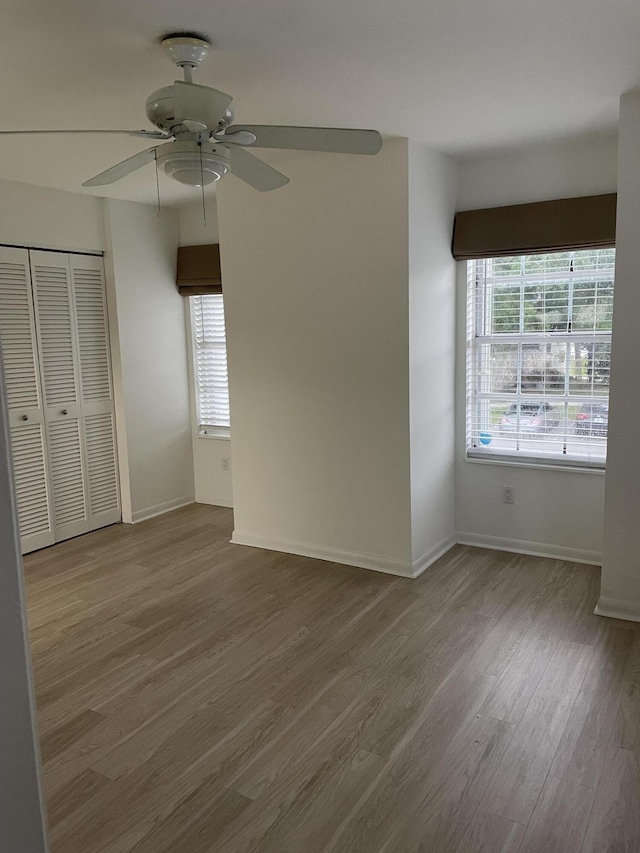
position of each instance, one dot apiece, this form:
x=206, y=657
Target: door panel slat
x=24, y=397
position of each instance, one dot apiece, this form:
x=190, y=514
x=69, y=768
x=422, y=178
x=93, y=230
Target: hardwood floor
x=201, y=697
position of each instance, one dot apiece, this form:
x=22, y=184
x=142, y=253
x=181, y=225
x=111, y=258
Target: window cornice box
x=565, y=224
x=198, y=271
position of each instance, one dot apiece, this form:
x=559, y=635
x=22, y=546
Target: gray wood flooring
x=200, y=697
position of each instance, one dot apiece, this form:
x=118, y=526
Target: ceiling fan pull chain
x=157, y=183
x=204, y=203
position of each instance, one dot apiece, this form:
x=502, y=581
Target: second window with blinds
x=538, y=352
x=210, y=365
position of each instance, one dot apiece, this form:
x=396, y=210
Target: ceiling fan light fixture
x=194, y=169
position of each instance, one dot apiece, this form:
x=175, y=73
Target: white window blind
x=538, y=353
x=210, y=362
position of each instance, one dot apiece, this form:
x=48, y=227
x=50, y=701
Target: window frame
x=202, y=429
x=477, y=311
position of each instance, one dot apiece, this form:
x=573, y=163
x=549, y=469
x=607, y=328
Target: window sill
x=215, y=434
x=573, y=467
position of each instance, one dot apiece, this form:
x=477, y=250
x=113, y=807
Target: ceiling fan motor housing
x=161, y=110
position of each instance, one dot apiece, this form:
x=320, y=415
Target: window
x=210, y=364
x=538, y=351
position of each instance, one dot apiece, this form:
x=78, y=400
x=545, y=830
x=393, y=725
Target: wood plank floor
x=201, y=697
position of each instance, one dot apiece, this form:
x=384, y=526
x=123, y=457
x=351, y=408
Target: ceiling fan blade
x=239, y=137
x=199, y=103
x=148, y=134
x=254, y=171
x=194, y=126
x=120, y=170
x=339, y=140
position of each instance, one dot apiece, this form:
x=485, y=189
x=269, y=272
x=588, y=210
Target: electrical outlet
x=225, y=463
x=508, y=495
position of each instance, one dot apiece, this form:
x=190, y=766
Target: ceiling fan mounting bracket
x=186, y=51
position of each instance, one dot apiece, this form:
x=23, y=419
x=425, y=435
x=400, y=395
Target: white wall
x=316, y=296
x=194, y=231
x=213, y=484
x=150, y=359
x=540, y=173
x=559, y=513
x=432, y=299
x=21, y=807
x=50, y=219
x=620, y=593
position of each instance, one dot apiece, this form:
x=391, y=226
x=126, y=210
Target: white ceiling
x=462, y=76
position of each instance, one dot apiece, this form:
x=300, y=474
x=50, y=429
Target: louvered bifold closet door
x=96, y=389
x=53, y=301
x=24, y=396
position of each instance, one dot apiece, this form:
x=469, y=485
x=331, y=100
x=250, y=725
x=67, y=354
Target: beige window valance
x=199, y=270
x=570, y=223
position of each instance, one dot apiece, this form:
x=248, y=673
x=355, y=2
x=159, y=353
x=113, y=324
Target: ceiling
x=466, y=77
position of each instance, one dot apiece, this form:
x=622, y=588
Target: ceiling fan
x=206, y=145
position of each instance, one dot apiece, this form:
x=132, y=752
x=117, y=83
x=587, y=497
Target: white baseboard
x=535, y=549
x=618, y=608
x=413, y=570
x=388, y=565
x=433, y=554
x=225, y=502
x=348, y=558
x=160, y=509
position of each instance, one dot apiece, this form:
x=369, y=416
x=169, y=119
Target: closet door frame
x=69, y=445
